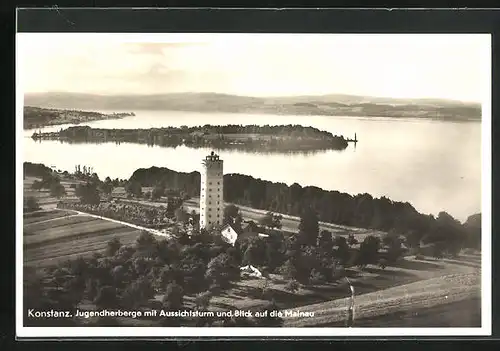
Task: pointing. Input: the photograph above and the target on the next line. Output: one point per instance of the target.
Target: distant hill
(330, 105)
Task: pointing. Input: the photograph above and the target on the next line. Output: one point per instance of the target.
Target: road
(152, 231)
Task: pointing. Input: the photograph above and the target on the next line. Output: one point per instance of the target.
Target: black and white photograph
(277, 184)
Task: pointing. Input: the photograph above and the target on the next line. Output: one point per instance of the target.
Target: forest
(362, 210)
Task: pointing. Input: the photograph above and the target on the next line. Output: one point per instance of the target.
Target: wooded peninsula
(36, 117)
(282, 138)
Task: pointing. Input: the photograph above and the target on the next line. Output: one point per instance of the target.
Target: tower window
(210, 202)
(218, 183)
(209, 183)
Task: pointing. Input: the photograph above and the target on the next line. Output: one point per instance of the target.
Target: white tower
(211, 191)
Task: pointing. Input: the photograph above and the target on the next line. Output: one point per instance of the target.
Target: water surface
(432, 164)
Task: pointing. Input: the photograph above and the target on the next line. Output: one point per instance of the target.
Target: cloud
(449, 66)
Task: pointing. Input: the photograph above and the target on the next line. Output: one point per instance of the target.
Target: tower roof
(212, 157)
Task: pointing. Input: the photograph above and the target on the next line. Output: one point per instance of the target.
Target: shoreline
(39, 117)
(280, 138)
(281, 114)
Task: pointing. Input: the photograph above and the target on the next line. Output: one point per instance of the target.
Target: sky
(451, 66)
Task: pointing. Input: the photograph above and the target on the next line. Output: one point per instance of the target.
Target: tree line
(360, 210)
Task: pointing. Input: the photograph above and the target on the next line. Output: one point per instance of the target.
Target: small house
(229, 235)
(250, 271)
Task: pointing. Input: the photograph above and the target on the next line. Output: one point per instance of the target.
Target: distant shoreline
(38, 117)
(328, 105)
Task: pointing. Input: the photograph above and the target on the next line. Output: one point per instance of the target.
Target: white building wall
(211, 192)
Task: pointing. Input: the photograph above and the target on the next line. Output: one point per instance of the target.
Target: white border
(79, 332)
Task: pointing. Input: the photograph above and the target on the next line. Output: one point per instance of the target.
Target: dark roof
(249, 224)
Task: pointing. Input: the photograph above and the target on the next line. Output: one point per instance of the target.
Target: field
(412, 292)
(455, 314)
(52, 235)
(55, 236)
(412, 297)
(43, 196)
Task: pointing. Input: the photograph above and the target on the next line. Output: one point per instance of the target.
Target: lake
(432, 164)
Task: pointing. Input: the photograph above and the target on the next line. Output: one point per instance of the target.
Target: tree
(255, 251)
(472, 228)
(113, 246)
(107, 186)
(271, 220)
(343, 253)
(107, 298)
(325, 241)
(308, 227)
(174, 297)
(57, 190)
(133, 188)
(138, 293)
(32, 204)
(368, 251)
(157, 192)
(232, 216)
(181, 215)
(146, 243)
(316, 276)
(221, 270)
(292, 286)
(202, 300)
(88, 194)
(37, 185)
(393, 245)
(289, 269)
(438, 249)
(275, 251)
